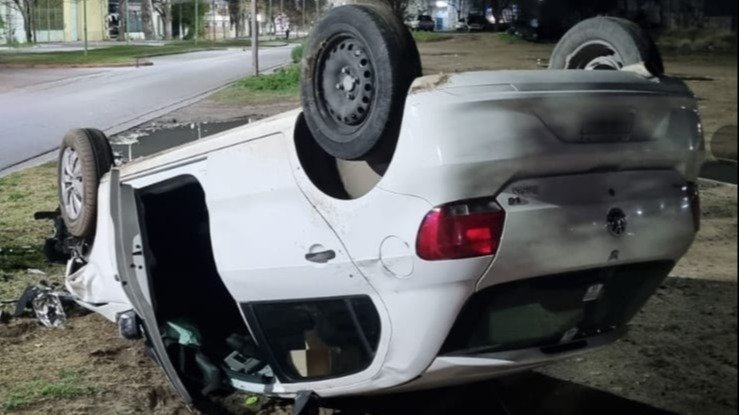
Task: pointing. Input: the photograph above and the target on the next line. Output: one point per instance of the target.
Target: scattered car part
(84, 156)
(355, 78)
(606, 43)
(129, 325)
(47, 304)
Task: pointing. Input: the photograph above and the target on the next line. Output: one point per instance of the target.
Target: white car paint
(504, 134)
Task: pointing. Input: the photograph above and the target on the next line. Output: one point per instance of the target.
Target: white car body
(532, 140)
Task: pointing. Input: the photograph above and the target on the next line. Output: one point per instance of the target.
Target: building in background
(56, 21)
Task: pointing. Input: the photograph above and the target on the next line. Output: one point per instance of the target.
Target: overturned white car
(495, 222)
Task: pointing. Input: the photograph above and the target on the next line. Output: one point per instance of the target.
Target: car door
(306, 303)
(132, 272)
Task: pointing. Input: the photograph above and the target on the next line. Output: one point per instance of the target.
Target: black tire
(606, 43)
(84, 156)
(357, 68)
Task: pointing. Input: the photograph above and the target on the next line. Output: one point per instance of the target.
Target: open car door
(133, 276)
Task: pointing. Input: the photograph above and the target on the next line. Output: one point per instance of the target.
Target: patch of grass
(697, 41)
(510, 38)
(21, 236)
(279, 86)
(296, 54)
(22, 194)
(69, 384)
(282, 80)
(117, 54)
(422, 37)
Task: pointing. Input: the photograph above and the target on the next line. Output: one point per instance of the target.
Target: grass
(422, 37)
(697, 41)
(120, 54)
(22, 237)
(279, 86)
(69, 384)
(509, 38)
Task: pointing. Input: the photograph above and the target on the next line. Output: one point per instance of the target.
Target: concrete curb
(75, 65)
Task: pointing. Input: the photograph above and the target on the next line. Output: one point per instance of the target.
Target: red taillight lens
(461, 230)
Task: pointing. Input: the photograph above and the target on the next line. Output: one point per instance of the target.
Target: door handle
(321, 257)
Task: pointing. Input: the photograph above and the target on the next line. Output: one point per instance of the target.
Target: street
(37, 106)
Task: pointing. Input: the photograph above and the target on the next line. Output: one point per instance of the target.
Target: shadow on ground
(524, 394)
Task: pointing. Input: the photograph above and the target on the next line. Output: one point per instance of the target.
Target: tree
(397, 6)
(236, 16)
(164, 8)
(147, 19)
(186, 12)
(26, 8)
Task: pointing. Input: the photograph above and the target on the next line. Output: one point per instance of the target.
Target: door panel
(268, 241)
(133, 272)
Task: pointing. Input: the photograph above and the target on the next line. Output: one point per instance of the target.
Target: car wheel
(606, 43)
(84, 156)
(358, 67)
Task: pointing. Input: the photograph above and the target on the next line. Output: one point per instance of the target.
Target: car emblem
(616, 222)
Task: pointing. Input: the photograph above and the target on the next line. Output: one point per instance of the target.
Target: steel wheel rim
(72, 185)
(595, 55)
(346, 86)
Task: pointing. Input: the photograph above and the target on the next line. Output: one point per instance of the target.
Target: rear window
(425, 18)
(553, 310)
(319, 338)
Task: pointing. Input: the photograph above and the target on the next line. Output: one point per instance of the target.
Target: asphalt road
(37, 106)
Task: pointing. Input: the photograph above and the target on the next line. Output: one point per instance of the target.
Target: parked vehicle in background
(411, 22)
(426, 23)
(461, 26)
(476, 23)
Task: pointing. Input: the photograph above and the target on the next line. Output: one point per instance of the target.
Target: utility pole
(84, 11)
(179, 31)
(303, 14)
(213, 13)
(269, 14)
(254, 38)
(196, 21)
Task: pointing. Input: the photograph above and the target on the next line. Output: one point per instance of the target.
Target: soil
(680, 355)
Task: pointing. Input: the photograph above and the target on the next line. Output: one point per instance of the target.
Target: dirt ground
(680, 355)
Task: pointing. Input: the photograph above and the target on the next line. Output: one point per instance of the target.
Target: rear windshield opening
(553, 310)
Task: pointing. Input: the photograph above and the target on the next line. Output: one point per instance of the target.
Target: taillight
(695, 204)
(461, 230)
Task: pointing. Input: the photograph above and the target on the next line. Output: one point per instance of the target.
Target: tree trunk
(26, 9)
(167, 19)
(147, 21)
(122, 18)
